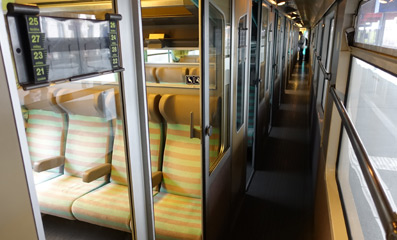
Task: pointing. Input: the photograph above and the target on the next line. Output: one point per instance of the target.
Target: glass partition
(75, 136)
(371, 104)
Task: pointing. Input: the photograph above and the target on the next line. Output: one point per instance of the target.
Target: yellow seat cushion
(107, 206)
(57, 195)
(177, 217)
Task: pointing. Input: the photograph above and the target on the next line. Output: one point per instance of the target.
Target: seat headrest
(153, 101)
(176, 109)
(171, 74)
(87, 102)
(40, 98)
(150, 73)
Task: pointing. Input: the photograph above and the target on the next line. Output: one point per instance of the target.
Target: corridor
(279, 200)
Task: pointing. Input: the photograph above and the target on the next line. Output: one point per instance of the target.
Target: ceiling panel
(312, 10)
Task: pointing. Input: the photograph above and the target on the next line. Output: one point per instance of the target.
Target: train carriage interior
(198, 119)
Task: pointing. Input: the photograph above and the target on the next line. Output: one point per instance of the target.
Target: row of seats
(162, 74)
(91, 149)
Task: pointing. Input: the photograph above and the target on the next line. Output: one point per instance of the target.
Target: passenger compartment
(87, 159)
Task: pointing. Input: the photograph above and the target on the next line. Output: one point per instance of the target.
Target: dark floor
(278, 203)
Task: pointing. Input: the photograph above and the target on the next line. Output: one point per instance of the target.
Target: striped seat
(177, 208)
(87, 146)
(46, 138)
(108, 206)
(177, 217)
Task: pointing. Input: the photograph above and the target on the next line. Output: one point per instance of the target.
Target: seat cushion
(107, 206)
(57, 195)
(177, 217)
(44, 176)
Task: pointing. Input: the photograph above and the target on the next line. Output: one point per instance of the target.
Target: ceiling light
(273, 2)
(383, 1)
(281, 3)
(293, 17)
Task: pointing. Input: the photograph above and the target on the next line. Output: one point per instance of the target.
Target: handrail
(327, 75)
(382, 204)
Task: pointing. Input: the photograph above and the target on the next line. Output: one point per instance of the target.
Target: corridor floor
(278, 203)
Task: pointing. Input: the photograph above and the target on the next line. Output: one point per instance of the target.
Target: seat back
(118, 174)
(182, 154)
(45, 124)
(88, 142)
(45, 133)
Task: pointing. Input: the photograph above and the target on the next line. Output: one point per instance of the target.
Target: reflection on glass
(372, 107)
(377, 23)
(263, 51)
(328, 62)
(76, 142)
(362, 216)
(241, 63)
(219, 42)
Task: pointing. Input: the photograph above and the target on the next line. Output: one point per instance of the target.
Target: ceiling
(311, 11)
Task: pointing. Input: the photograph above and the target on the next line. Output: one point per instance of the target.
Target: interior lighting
(273, 2)
(383, 1)
(281, 3)
(293, 17)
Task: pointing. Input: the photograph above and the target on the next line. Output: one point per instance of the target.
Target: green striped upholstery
(57, 195)
(182, 162)
(214, 147)
(119, 171)
(40, 177)
(107, 206)
(251, 116)
(87, 144)
(45, 133)
(46, 138)
(156, 139)
(177, 217)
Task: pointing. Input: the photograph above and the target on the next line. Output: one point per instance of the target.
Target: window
(242, 61)
(376, 24)
(371, 105)
(328, 62)
(263, 52)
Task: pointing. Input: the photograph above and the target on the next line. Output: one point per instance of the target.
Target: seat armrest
(96, 172)
(48, 163)
(156, 178)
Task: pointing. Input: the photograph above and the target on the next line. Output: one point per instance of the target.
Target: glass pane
(328, 62)
(263, 52)
(362, 217)
(219, 43)
(377, 22)
(372, 106)
(242, 61)
(75, 137)
(173, 95)
(78, 128)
